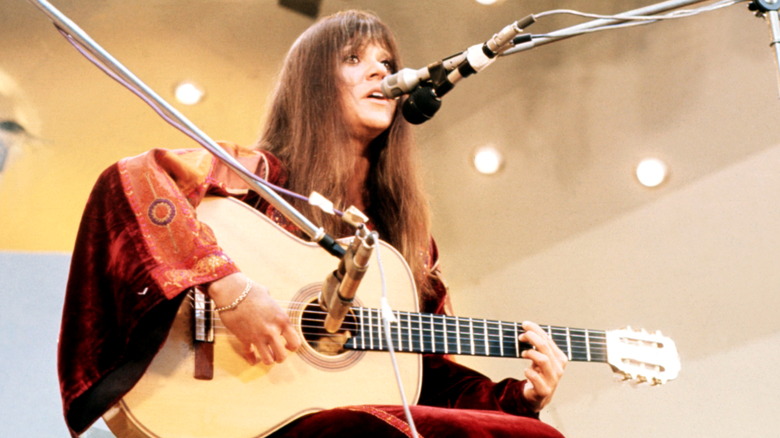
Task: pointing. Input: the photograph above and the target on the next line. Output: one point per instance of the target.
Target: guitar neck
(440, 334)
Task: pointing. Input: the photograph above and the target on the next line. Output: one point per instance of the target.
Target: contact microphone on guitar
(427, 85)
(341, 285)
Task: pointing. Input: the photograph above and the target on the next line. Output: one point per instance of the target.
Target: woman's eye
(388, 65)
(352, 59)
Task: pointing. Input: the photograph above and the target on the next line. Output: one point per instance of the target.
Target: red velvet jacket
(140, 246)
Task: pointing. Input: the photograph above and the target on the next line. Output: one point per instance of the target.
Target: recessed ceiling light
(189, 93)
(488, 160)
(651, 172)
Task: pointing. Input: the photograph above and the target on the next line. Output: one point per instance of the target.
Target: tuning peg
(641, 379)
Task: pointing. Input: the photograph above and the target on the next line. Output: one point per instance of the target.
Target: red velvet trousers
(431, 422)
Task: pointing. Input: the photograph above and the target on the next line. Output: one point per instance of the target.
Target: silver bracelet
(238, 300)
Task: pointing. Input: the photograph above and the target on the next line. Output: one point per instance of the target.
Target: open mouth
(377, 95)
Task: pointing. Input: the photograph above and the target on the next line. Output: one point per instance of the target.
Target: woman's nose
(378, 68)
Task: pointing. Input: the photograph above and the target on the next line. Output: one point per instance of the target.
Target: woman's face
(368, 113)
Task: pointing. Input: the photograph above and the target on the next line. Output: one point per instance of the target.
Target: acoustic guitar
(199, 385)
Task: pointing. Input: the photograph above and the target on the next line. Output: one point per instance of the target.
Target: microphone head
(421, 105)
(402, 82)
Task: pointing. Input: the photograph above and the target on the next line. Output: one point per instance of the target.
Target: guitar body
(242, 400)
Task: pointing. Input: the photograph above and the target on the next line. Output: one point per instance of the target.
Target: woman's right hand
(258, 322)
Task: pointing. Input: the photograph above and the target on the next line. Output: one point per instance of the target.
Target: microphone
(406, 80)
(341, 285)
(427, 85)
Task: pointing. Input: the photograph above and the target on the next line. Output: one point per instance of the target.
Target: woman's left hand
(547, 365)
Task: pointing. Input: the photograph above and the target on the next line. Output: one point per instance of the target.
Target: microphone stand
(340, 286)
(763, 8)
(116, 70)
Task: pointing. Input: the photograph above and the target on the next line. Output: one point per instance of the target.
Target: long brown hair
(305, 129)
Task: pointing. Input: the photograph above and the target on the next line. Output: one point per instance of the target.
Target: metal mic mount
(427, 86)
(768, 9)
(341, 285)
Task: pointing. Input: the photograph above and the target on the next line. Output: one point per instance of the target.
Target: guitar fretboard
(440, 334)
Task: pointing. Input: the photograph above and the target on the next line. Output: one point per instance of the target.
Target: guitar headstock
(642, 357)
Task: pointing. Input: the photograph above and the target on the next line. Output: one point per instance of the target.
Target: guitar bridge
(203, 335)
(203, 322)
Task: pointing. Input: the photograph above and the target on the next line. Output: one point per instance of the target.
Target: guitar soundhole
(320, 340)
(323, 350)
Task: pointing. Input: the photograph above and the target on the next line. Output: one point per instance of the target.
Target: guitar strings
(422, 343)
(450, 320)
(576, 335)
(450, 323)
(582, 340)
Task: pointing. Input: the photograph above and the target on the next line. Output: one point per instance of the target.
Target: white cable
(387, 317)
(629, 20)
(668, 16)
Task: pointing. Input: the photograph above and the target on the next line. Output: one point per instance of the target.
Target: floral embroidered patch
(161, 212)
